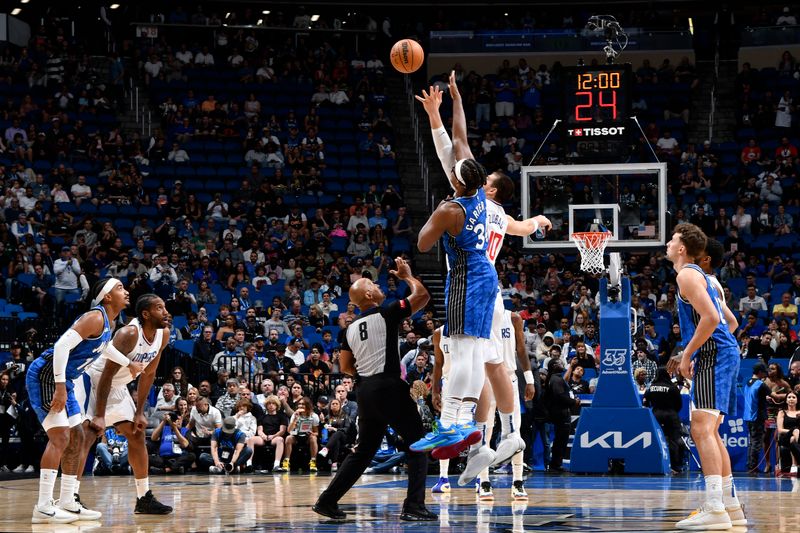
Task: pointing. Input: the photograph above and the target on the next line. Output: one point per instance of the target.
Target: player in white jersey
(499, 189)
(512, 348)
(441, 367)
(109, 403)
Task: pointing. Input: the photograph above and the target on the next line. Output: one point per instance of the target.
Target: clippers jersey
(508, 341)
(721, 340)
(497, 224)
(471, 280)
(84, 354)
(144, 352)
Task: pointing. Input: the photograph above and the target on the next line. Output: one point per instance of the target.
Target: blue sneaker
(442, 486)
(438, 436)
(468, 435)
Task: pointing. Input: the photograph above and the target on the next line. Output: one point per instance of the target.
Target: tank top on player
(87, 351)
(144, 352)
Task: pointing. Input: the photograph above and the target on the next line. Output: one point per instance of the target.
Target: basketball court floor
(283, 503)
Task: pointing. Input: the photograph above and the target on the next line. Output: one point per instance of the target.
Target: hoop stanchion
(591, 245)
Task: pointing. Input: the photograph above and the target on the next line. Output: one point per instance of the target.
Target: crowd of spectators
(254, 260)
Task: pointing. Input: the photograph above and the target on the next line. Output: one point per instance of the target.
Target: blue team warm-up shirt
(472, 280)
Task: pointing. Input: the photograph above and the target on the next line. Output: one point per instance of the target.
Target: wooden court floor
(282, 503)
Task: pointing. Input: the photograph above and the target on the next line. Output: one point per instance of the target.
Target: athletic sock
(729, 497)
(516, 467)
(484, 475)
(67, 489)
(142, 487)
(506, 424)
(480, 426)
(466, 413)
(449, 415)
(47, 482)
(276, 464)
(77, 486)
(444, 467)
(714, 493)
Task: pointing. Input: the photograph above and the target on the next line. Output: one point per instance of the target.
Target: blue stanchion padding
(616, 426)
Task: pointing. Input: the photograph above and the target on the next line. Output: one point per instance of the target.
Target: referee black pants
(383, 400)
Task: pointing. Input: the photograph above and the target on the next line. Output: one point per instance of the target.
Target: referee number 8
(362, 331)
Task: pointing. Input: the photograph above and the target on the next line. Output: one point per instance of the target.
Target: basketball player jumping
(105, 384)
(513, 346)
(498, 189)
(50, 386)
(711, 358)
(469, 296)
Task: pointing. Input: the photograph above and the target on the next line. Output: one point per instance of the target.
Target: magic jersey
(86, 352)
(144, 352)
(721, 340)
(471, 280)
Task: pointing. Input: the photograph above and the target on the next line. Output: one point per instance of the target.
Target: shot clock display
(596, 97)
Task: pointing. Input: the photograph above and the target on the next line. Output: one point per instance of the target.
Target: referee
(370, 348)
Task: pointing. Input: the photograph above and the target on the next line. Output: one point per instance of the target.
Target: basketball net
(592, 245)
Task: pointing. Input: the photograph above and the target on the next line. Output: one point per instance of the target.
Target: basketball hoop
(591, 245)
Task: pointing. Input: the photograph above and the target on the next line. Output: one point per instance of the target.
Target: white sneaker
(518, 490)
(4, 469)
(213, 469)
(507, 447)
(30, 469)
(736, 514)
(51, 514)
(706, 520)
(485, 491)
(476, 462)
(793, 470)
(80, 510)
(19, 470)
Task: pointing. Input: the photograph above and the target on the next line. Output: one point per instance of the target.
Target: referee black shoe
(417, 513)
(148, 504)
(329, 510)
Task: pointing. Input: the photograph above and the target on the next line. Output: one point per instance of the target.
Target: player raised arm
(522, 356)
(431, 101)
(692, 286)
(460, 141)
(124, 341)
(438, 364)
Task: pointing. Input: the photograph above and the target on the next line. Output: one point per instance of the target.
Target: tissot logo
(596, 132)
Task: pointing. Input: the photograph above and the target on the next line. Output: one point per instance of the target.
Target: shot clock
(597, 96)
(597, 108)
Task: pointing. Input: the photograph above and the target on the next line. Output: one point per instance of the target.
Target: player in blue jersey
(710, 358)
(469, 300)
(50, 387)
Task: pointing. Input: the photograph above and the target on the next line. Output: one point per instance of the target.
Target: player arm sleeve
(444, 149)
(111, 353)
(397, 311)
(64, 345)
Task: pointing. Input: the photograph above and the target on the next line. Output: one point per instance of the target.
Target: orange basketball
(407, 56)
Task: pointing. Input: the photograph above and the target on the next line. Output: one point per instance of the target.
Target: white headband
(457, 171)
(110, 284)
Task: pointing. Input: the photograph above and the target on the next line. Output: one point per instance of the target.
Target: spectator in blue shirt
(228, 449)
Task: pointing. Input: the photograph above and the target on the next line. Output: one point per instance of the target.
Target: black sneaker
(329, 510)
(148, 504)
(154, 470)
(417, 513)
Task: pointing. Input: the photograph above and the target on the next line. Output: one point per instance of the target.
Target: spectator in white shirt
(27, 201)
(204, 419)
(178, 154)
(80, 191)
(235, 59)
(265, 73)
(337, 96)
(168, 398)
(204, 58)
(752, 302)
(184, 56)
(666, 144)
(66, 269)
(742, 221)
(152, 68)
(786, 18)
(21, 227)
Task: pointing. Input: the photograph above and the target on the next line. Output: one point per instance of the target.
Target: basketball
(407, 56)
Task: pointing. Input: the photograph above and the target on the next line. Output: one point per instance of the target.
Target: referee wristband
(528, 374)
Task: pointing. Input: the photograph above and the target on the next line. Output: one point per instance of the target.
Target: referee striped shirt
(373, 339)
